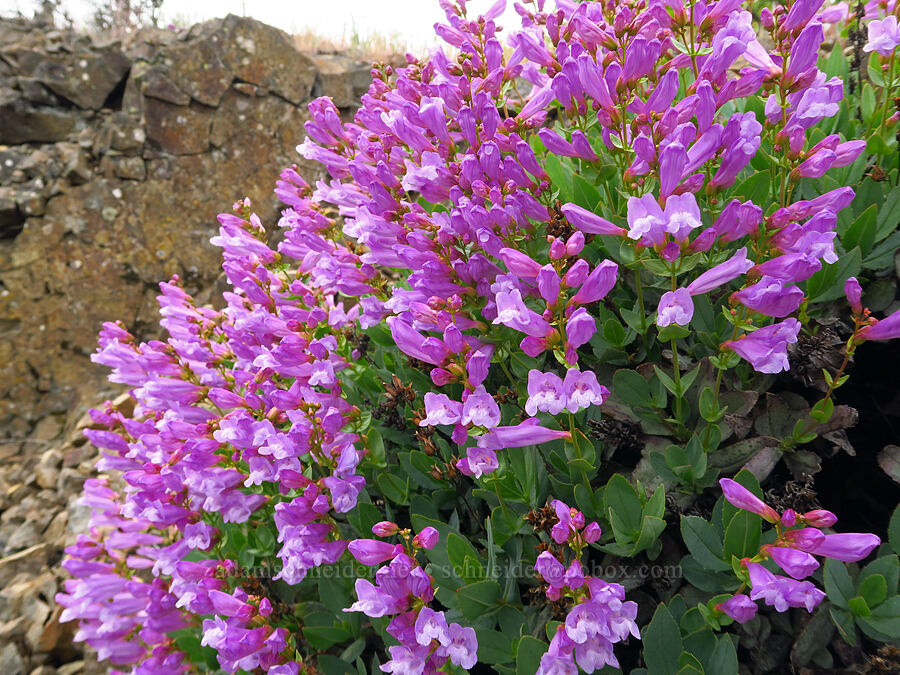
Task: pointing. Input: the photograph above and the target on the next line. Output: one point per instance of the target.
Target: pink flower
(739, 607)
(742, 498)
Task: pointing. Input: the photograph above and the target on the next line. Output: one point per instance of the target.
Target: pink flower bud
(372, 551)
(853, 291)
(385, 529)
(738, 607)
(742, 498)
(427, 538)
(592, 532)
(789, 518)
(557, 249)
(819, 518)
(575, 244)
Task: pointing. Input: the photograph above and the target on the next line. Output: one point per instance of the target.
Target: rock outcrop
(114, 162)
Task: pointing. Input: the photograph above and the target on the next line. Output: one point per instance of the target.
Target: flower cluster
(403, 590)
(232, 413)
(600, 617)
(798, 540)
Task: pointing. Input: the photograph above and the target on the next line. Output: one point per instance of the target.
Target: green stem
(640, 298)
(677, 374)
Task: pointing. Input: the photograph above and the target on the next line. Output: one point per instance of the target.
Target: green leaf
(478, 599)
(703, 542)
(844, 622)
(724, 657)
(755, 188)
(613, 332)
(885, 618)
(867, 102)
(505, 524)
(465, 561)
(662, 643)
(621, 501)
(742, 535)
(862, 232)
(838, 585)
(873, 589)
(631, 388)
(332, 665)
(894, 530)
(873, 68)
(586, 195)
(528, 655)
(887, 566)
(859, 607)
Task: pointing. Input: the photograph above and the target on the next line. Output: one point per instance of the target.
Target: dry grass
(375, 47)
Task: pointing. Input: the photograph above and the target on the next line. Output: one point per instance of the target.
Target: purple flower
(546, 393)
(431, 625)
(766, 348)
(580, 327)
(582, 390)
(462, 648)
(722, 273)
(770, 296)
(512, 312)
(798, 564)
(550, 569)
(372, 551)
(737, 220)
(570, 520)
(440, 409)
(742, 498)
(549, 284)
(480, 409)
(385, 528)
(853, 291)
(427, 538)
(886, 329)
(529, 432)
(682, 215)
(847, 546)
(819, 518)
(519, 264)
(675, 307)
(598, 283)
(884, 36)
(478, 462)
(589, 222)
(646, 220)
(782, 592)
(412, 343)
(739, 607)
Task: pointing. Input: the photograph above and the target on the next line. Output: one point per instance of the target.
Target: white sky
(410, 20)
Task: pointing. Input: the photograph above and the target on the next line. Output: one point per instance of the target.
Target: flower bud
(427, 538)
(385, 529)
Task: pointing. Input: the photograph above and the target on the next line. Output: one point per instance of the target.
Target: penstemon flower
(798, 541)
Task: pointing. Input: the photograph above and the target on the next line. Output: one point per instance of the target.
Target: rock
(10, 218)
(180, 130)
(120, 132)
(129, 168)
(24, 536)
(156, 84)
(73, 668)
(85, 78)
(32, 90)
(196, 68)
(44, 670)
(30, 561)
(10, 661)
(76, 170)
(25, 123)
(259, 54)
(342, 78)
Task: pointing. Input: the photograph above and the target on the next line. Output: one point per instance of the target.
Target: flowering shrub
(521, 335)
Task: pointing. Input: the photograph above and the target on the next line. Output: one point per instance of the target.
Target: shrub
(490, 385)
